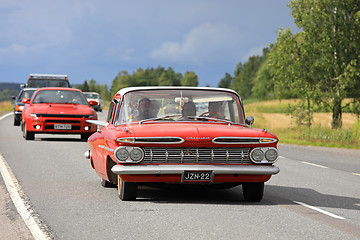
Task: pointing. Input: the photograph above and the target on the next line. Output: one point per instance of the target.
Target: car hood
(195, 132)
(61, 108)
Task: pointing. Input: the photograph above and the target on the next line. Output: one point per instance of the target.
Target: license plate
(62, 126)
(197, 176)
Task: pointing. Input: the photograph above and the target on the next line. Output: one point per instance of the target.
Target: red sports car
(157, 136)
(57, 110)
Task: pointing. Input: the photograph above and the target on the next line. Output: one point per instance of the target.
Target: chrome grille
(197, 155)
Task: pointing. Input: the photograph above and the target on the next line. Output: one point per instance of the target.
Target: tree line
(320, 64)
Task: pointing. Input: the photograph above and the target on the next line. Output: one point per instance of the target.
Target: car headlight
(33, 115)
(257, 155)
(129, 154)
(136, 154)
(271, 155)
(264, 155)
(91, 116)
(121, 154)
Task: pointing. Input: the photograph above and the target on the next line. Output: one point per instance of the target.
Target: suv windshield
(37, 83)
(180, 105)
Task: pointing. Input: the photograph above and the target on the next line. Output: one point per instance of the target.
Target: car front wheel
(16, 122)
(253, 192)
(106, 184)
(27, 134)
(127, 190)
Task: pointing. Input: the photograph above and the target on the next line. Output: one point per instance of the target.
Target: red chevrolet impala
(157, 136)
(57, 110)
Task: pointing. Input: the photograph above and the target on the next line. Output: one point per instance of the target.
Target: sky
(96, 39)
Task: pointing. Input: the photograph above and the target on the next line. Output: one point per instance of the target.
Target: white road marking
(6, 115)
(15, 194)
(281, 157)
(320, 210)
(316, 165)
(357, 174)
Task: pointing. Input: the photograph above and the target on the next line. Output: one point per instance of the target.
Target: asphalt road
(316, 195)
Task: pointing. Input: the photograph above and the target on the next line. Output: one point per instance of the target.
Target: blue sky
(93, 39)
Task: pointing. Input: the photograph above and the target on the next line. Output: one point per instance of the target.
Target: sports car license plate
(62, 126)
(197, 176)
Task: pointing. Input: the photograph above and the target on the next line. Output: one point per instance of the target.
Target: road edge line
(320, 210)
(15, 192)
(6, 115)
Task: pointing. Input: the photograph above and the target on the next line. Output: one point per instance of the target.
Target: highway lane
(318, 201)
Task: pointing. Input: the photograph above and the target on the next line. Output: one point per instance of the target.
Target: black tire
(16, 122)
(85, 136)
(127, 190)
(106, 184)
(253, 192)
(27, 134)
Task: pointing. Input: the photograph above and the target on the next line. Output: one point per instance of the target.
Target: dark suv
(47, 80)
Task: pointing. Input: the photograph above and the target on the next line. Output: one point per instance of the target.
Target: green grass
(322, 136)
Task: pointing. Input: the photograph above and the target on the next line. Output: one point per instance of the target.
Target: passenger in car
(216, 110)
(189, 109)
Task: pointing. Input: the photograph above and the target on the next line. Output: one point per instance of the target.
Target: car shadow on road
(273, 195)
(281, 195)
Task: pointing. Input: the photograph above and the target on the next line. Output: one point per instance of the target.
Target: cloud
(38, 25)
(202, 44)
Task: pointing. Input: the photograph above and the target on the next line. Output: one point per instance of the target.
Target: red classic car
(57, 111)
(181, 135)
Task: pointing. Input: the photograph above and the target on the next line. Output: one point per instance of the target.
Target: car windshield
(60, 96)
(180, 105)
(91, 95)
(26, 94)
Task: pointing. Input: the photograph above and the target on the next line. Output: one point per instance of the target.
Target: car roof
(130, 89)
(59, 88)
(29, 89)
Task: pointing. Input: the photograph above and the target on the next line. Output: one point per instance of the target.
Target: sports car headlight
(257, 155)
(91, 116)
(33, 115)
(129, 154)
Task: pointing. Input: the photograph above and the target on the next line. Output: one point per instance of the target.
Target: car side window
(111, 109)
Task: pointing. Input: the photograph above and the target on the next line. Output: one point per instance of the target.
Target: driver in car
(144, 108)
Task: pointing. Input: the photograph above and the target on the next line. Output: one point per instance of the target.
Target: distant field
(273, 116)
(6, 106)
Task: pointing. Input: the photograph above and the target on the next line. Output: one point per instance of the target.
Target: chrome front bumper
(179, 169)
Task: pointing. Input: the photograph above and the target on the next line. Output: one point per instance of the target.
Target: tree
(244, 82)
(226, 81)
(190, 79)
(329, 50)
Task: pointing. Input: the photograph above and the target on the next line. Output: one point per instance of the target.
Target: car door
(104, 133)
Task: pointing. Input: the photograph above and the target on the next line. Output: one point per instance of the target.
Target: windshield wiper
(159, 118)
(212, 119)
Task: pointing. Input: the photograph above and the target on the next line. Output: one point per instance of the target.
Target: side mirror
(93, 103)
(249, 120)
(26, 100)
(13, 97)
